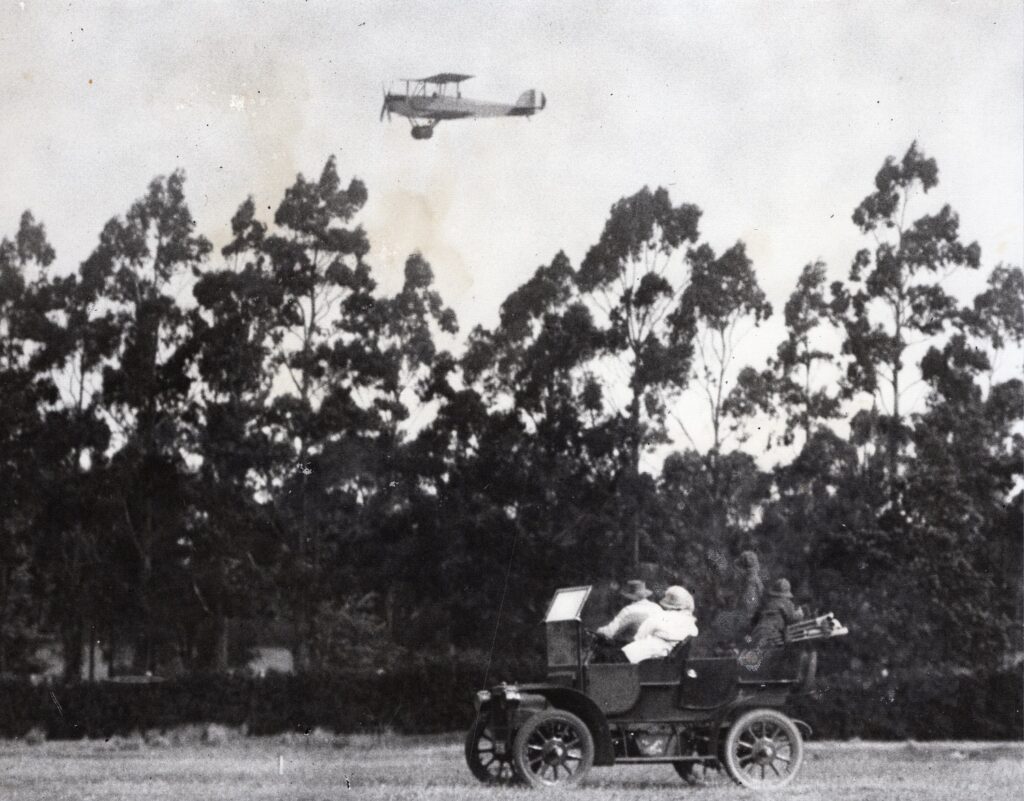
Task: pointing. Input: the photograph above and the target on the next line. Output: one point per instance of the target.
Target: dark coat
(771, 620)
(751, 595)
(731, 625)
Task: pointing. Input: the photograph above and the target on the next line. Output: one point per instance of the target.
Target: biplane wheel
(422, 131)
(553, 748)
(763, 750)
(482, 756)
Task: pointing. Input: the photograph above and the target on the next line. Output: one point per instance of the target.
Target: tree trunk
(92, 653)
(220, 640)
(112, 663)
(4, 583)
(72, 643)
(634, 475)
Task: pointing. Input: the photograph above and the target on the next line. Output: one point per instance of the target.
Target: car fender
(585, 709)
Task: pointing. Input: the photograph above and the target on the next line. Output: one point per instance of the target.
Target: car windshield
(567, 604)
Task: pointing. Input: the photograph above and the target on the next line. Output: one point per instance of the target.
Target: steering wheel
(591, 639)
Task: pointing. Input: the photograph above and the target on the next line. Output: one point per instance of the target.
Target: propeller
(384, 106)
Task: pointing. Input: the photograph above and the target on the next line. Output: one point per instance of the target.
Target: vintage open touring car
(716, 712)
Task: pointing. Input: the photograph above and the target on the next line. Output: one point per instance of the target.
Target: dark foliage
(434, 696)
(292, 445)
(918, 705)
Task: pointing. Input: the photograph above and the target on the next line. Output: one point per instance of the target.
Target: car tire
(553, 748)
(484, 762)
(686, 771)
(763, 750)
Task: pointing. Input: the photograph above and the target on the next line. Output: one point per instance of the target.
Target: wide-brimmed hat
(676, 598)
(781, 589)
(636, 590)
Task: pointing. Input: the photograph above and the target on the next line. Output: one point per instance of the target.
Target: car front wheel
(486, 756)
(553, 748)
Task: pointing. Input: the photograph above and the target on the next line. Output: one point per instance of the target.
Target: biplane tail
(530, 102)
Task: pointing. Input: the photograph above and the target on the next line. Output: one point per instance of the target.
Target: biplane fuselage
(428, 101)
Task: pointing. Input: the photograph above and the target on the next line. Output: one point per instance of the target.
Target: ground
(433, 768)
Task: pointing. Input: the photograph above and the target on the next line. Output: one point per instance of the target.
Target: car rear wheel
(553, 748)
(763, 749)
(693, 742)
(485, 755)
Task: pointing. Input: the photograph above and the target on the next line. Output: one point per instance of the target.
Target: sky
(772, 117)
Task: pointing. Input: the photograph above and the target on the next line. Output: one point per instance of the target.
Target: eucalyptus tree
(528, 458)
(896, 300)
(997, 314)
(791, 385)
(632, 279)
(351, 364)
(963, 499)
(530, 363)
(723, 302)
(28, 390)
(394, 342)
(231, 549)
(386, 347)
(138, 270)
(317, 261)
(821, 528)
(962, 486)
(720, 305)
(912, 546)
(74, 541)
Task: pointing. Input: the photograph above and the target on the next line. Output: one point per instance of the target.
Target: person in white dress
(672, 624)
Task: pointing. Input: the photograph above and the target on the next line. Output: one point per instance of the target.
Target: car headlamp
(482, 697)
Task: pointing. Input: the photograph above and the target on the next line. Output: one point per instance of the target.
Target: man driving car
(624, 625)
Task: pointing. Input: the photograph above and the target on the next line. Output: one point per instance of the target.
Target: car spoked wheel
(763, 749)
(553, 747)
(693, 743)
(486, 757)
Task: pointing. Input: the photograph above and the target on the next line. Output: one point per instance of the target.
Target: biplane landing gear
(422, 131)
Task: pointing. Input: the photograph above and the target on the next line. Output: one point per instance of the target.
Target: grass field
(433, 768)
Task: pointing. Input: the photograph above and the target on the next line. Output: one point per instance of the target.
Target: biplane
(427, 101)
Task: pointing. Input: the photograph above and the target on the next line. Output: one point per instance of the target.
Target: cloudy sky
(772, 117)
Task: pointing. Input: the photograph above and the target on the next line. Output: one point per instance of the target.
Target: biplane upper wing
(445, 77)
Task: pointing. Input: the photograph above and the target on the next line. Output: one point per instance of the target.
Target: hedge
(919, 705)
(424, 697)
(435, 696)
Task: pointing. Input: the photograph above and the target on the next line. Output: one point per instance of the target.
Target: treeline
(435, 695)
(190, 438)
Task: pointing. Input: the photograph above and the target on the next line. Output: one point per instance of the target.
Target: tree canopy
(191, 439)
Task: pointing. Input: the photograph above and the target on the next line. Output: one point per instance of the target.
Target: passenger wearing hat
(777, 612)
(661, 632)
(752, 589)
(734, 622)
(624, 625)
